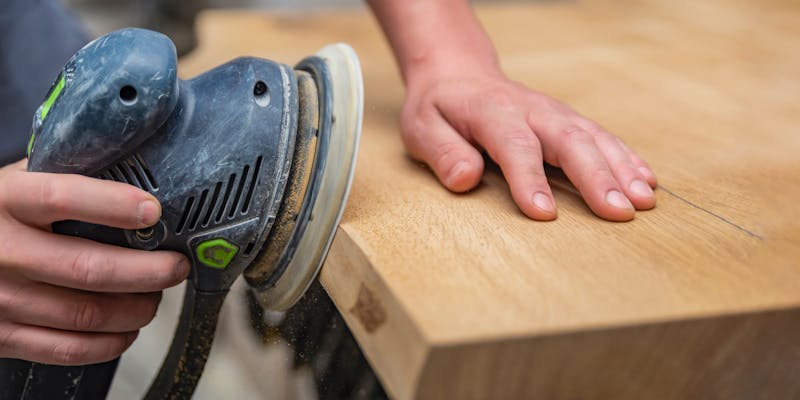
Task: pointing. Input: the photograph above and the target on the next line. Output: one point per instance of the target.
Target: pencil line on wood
(709, 212)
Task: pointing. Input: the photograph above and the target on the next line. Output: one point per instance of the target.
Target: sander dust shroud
(251, 161)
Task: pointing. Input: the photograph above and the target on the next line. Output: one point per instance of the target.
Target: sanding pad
(335, 166)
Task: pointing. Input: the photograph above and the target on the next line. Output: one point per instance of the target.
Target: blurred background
(174, 17)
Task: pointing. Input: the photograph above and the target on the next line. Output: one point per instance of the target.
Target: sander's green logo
(216, 253)
(44, 109)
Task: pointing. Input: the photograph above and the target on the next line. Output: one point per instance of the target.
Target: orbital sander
(252, 163)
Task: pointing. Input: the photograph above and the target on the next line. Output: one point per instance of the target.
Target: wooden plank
(461, 296)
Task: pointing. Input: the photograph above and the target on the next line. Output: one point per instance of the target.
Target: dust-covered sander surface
(251, 161)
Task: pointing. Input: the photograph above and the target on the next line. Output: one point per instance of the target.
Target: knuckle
(87, 269)
(523, 141)
(592, 127)
(70, 352)
(498, 97)
(414, 132)
(600, 176)
(465, 108)
(575, 135)
(52, 196)
(444, 153)
(415, 125)
(88, 316)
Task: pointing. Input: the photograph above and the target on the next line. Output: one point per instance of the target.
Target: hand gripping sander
(251, 161)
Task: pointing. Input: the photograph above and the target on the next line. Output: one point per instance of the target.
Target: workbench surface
(461, 296)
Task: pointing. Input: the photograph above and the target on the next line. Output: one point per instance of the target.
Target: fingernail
(455, 172)
(149, 212)
(543, 202)
(646, 173)
(182, 269)
(640, 188)
(618, 200)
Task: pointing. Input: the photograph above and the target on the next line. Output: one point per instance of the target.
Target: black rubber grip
(25, 380)
(188, 353)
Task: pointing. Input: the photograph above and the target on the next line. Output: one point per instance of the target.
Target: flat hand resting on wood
(459, 102)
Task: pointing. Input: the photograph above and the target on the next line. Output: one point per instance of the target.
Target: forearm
(435, 36)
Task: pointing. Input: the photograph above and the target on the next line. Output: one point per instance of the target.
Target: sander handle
(187, 355)
(26, 380)
(178, 375)
(177, 378)
(31, 380)
(181, 369)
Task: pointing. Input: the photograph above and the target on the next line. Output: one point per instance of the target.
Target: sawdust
(302, 165)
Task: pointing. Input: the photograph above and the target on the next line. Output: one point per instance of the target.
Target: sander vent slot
(131, 170)
(238, 196)
(249, 248)
(225, 197)
(251, 188)
(198, 210)
(185, 215)
(107, 176)
(141, 166)
(213, 205)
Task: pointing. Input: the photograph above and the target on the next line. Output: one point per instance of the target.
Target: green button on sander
(252, 162)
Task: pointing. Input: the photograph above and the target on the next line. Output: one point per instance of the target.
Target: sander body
(252, 163)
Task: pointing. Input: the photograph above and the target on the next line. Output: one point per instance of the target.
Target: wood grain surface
(460, 296)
